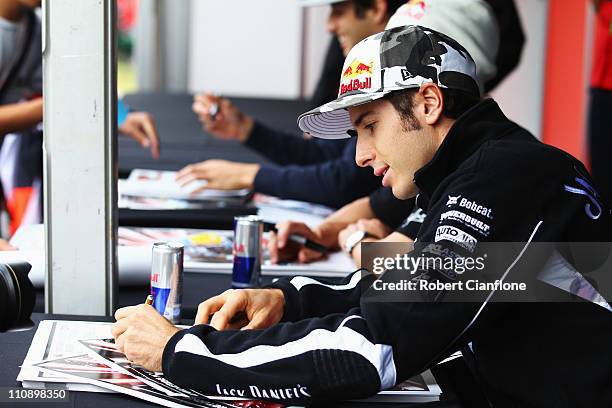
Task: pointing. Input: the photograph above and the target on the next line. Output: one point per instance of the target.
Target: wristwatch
(353, 239)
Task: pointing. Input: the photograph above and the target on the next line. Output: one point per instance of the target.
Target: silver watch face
(354, 239)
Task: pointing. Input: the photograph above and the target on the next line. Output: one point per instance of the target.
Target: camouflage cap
(399, 58)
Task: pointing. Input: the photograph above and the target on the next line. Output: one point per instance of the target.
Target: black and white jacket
(490, 181)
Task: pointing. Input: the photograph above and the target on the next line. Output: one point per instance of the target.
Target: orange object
(565, 87)
(17, 206)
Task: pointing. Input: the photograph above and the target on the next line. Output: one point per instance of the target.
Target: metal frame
(80, 156)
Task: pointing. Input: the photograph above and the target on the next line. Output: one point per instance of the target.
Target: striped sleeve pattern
(313, 360)
(303, 295)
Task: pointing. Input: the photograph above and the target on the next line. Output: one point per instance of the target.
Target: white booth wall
(244, 48)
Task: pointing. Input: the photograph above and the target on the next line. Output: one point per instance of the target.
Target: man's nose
(331, 24)
(364, 154)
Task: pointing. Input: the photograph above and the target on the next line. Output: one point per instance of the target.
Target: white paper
(56, 339)
(163, 184)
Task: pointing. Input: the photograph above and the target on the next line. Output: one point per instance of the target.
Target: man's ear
(433, 103)
(379, 12)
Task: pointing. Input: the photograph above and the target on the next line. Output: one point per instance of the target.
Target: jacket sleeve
(302, 295)
(333, 357)
(285, 148)
(333, 183)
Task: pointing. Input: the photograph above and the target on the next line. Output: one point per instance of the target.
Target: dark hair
(403, 102)
(456, 103)
(361, 6)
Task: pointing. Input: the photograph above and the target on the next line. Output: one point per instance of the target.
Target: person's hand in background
(219, 174)
(282, 249)
(221, 118)
(141, 127)
(5, 246)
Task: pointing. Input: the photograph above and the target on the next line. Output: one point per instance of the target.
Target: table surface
(14, 347)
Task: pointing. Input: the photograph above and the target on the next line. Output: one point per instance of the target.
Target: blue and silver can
(246, 272)
(167, 279)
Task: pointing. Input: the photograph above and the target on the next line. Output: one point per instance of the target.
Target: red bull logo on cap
(357, 68)
(358, 75)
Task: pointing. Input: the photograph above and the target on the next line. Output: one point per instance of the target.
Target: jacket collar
(482, 122)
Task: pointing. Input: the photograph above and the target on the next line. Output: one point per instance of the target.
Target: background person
(322, 172)
(21, 112)
(600, 103)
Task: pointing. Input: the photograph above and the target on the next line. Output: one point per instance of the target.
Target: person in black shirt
(482, 179)
(382, 216)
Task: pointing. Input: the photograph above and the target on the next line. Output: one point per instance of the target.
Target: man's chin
(404, 192)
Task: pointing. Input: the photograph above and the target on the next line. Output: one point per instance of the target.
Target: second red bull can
(246, 272)
(167, 279)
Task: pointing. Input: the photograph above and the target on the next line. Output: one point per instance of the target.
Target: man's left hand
(374, 227)
(141, 333)
(220, 174)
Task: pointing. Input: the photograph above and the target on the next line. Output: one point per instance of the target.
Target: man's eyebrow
(361, 117)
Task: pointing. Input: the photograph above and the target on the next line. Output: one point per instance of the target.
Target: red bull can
(167, 279)
(246, 272)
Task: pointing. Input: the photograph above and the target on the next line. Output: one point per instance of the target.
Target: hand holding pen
(289, 241)
(221, 119)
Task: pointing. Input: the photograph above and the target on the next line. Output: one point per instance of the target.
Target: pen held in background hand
(213, 111)
(307, 243)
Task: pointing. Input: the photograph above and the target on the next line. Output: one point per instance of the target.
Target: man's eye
(370, 126)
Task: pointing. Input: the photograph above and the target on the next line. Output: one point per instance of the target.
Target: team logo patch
(417, 216)
(459, 237)
(357, 76)
(469, 205)
(593, 208)
(452, 200)
(467, 220)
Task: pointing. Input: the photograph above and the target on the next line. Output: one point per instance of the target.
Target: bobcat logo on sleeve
(452, 200)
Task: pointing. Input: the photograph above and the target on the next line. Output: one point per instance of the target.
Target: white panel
(316, 43)
(521, 95)
(79, 157)
(246, 48)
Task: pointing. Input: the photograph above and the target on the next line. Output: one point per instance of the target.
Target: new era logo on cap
(399, 58)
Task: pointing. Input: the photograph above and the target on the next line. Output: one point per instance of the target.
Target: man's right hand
(229, 123)
(243, 309)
